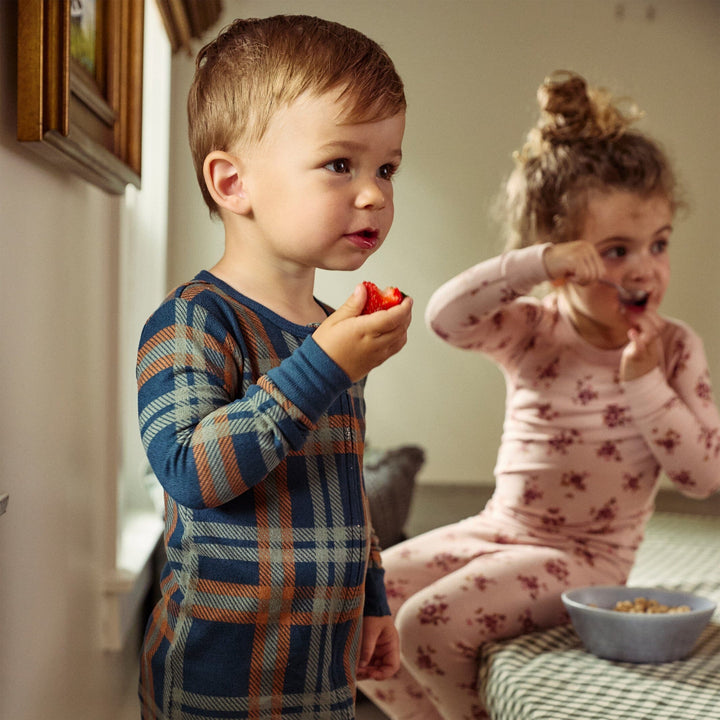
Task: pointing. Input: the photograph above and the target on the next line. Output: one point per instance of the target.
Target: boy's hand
(379, 649)
(577, 261)
(358, 343)
(644, 351)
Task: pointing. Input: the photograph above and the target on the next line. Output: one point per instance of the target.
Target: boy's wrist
(310, 379)
(375, 596)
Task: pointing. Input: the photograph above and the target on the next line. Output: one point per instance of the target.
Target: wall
(471, 69)
(62, 244)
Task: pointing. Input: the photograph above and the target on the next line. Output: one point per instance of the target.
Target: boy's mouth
(366, 238)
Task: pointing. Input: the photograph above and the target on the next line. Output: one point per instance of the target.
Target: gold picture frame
(80, 101)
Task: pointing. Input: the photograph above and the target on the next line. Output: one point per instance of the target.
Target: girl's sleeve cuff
(526, 267)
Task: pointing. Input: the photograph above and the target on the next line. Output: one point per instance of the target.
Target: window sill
(126, 586)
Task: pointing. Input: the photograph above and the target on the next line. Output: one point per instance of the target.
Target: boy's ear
(224, 180)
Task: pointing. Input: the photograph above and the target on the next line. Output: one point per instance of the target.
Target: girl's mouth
(636, 301)
(638, 298)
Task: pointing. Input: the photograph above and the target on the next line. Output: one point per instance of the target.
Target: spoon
(636, 298)
(627, 297)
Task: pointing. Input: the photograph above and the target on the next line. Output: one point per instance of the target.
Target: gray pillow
(389, 482)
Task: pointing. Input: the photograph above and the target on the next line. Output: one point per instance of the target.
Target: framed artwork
(187, 20)
(80, 69)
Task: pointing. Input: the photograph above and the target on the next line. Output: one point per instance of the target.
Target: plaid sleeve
(206, 441)
(376, 603)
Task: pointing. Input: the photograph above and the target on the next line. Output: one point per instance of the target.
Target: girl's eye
(659, 247)
(386, 172)
(612, 253)
(339, 165)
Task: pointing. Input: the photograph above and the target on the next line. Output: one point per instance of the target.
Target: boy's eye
(339, 165)
(386, 172)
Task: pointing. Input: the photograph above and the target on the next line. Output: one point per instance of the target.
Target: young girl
(603, 393)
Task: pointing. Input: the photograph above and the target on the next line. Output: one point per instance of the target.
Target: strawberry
(381, 300)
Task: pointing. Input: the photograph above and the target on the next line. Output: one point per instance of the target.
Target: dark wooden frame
(89, 125)
(186, 20)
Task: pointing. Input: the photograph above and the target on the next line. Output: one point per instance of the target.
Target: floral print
(616, 416)
(434, 612)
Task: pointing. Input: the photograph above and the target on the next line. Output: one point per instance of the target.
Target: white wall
(471, 69)
(62, 243)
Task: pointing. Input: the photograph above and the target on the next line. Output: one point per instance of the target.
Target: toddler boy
(251, 391)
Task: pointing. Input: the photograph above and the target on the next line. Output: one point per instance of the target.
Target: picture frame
(80, 69)
(187, 20)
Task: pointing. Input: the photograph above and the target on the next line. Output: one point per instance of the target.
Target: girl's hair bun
(570, 111)
(581, 142)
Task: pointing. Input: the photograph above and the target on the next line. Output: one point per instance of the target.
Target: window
(134, 524)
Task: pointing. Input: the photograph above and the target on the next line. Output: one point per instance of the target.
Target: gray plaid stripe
(198, 705)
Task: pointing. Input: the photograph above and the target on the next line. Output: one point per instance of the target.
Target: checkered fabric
(257, 437)
(678, 549)
(549, 676)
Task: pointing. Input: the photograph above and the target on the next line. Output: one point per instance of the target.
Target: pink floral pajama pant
(454, 588)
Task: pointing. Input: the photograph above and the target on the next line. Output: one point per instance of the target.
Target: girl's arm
(676, 413)
(473, 310)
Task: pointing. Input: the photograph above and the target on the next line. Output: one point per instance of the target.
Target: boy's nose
(370, 194)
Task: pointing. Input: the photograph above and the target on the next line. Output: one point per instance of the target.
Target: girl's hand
(358, 343)
(379, 656)
(643, 352)
(577, 261)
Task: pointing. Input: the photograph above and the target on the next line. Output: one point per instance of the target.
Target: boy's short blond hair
(256, 66)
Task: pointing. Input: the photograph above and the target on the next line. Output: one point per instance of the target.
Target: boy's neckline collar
(236, 295)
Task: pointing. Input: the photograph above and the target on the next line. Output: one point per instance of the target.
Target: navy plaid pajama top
(257, 437)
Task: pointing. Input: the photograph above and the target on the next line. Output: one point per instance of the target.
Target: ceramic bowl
(636, 637)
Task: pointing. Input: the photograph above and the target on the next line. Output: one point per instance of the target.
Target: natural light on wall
(134, 520)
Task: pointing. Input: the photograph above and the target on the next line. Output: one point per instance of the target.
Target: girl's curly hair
(582, 142)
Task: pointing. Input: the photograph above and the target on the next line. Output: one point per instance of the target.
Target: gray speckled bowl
(633, 637)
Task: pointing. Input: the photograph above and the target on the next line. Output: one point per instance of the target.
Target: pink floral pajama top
(581, 451)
